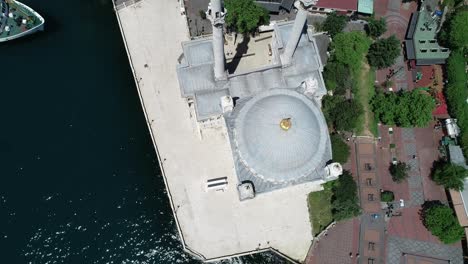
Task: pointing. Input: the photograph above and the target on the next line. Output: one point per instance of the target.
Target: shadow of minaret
(241, 49)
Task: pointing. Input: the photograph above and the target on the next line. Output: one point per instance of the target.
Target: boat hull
(39, 27)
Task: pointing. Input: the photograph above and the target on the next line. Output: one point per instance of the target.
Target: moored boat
(18, 20)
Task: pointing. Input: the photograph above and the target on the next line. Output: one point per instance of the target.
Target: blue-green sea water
(79, 179)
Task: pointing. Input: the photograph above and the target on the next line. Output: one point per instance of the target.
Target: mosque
(270, 103)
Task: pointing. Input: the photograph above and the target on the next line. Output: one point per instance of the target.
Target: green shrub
(387, 196)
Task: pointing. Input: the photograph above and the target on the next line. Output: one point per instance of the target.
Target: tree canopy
(337, 77)
(453, 33)
(399, 171)
(345, 202)
(405, 109)
(449, 175)
(245, 16)
(383, 52)
(340, 150)
(441, 222)
(376, 27)
(457, 93)
(349, 47)
(334, 24)
(343, 115)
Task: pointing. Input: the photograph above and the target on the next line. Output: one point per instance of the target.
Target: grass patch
(365, 79)
(320, 210)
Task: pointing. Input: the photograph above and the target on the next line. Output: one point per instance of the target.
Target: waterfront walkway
(212, 224)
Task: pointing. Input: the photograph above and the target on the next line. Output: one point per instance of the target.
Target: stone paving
(398, 247)
(337, 245)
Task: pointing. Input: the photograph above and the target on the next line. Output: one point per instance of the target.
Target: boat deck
(16, 19)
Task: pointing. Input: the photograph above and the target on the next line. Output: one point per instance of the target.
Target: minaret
(216, 15)
(295, 35)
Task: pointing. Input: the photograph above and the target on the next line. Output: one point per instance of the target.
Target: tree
(441, 222)
(383, 52)
(328, 104)
(457, 93)
(337, 77)
(340, 150)
(449, 175)
(453, 33)
(344, 115)
(345, 202)
(349, 48)
(399, 171)
(245, 15)
(405, 109)
(334, 24)
(375, 28)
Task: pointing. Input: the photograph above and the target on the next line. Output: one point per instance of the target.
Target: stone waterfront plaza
(240, 147)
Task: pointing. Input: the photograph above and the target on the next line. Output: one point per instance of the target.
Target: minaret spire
(216, 15)
(295, 35)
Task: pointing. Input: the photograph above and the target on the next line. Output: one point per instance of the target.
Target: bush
(340, 150)
(399, 171)
(441, 222)
(449, 175)
(383, 52)
(334, 24)
(375, 28)
(387, 196)
(345, 202)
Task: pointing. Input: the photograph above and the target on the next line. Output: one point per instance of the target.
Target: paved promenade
(212, 224)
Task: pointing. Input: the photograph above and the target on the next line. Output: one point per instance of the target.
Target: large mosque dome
(280, 136)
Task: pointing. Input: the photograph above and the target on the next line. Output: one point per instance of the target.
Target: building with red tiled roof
(347, 7)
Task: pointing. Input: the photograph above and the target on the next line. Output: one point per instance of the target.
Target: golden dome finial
(285, 124)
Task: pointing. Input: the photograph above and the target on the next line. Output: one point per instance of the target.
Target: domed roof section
(280, 136)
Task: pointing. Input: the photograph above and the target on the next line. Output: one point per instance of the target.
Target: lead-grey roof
(208, 104)
(196, 75)
(267, 155)
(298, 164)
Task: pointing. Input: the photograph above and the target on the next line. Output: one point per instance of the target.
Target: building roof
(366, 6)
(422, 32)
(275, 154)
(259, 154)
(338, 4)
(276, 5)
